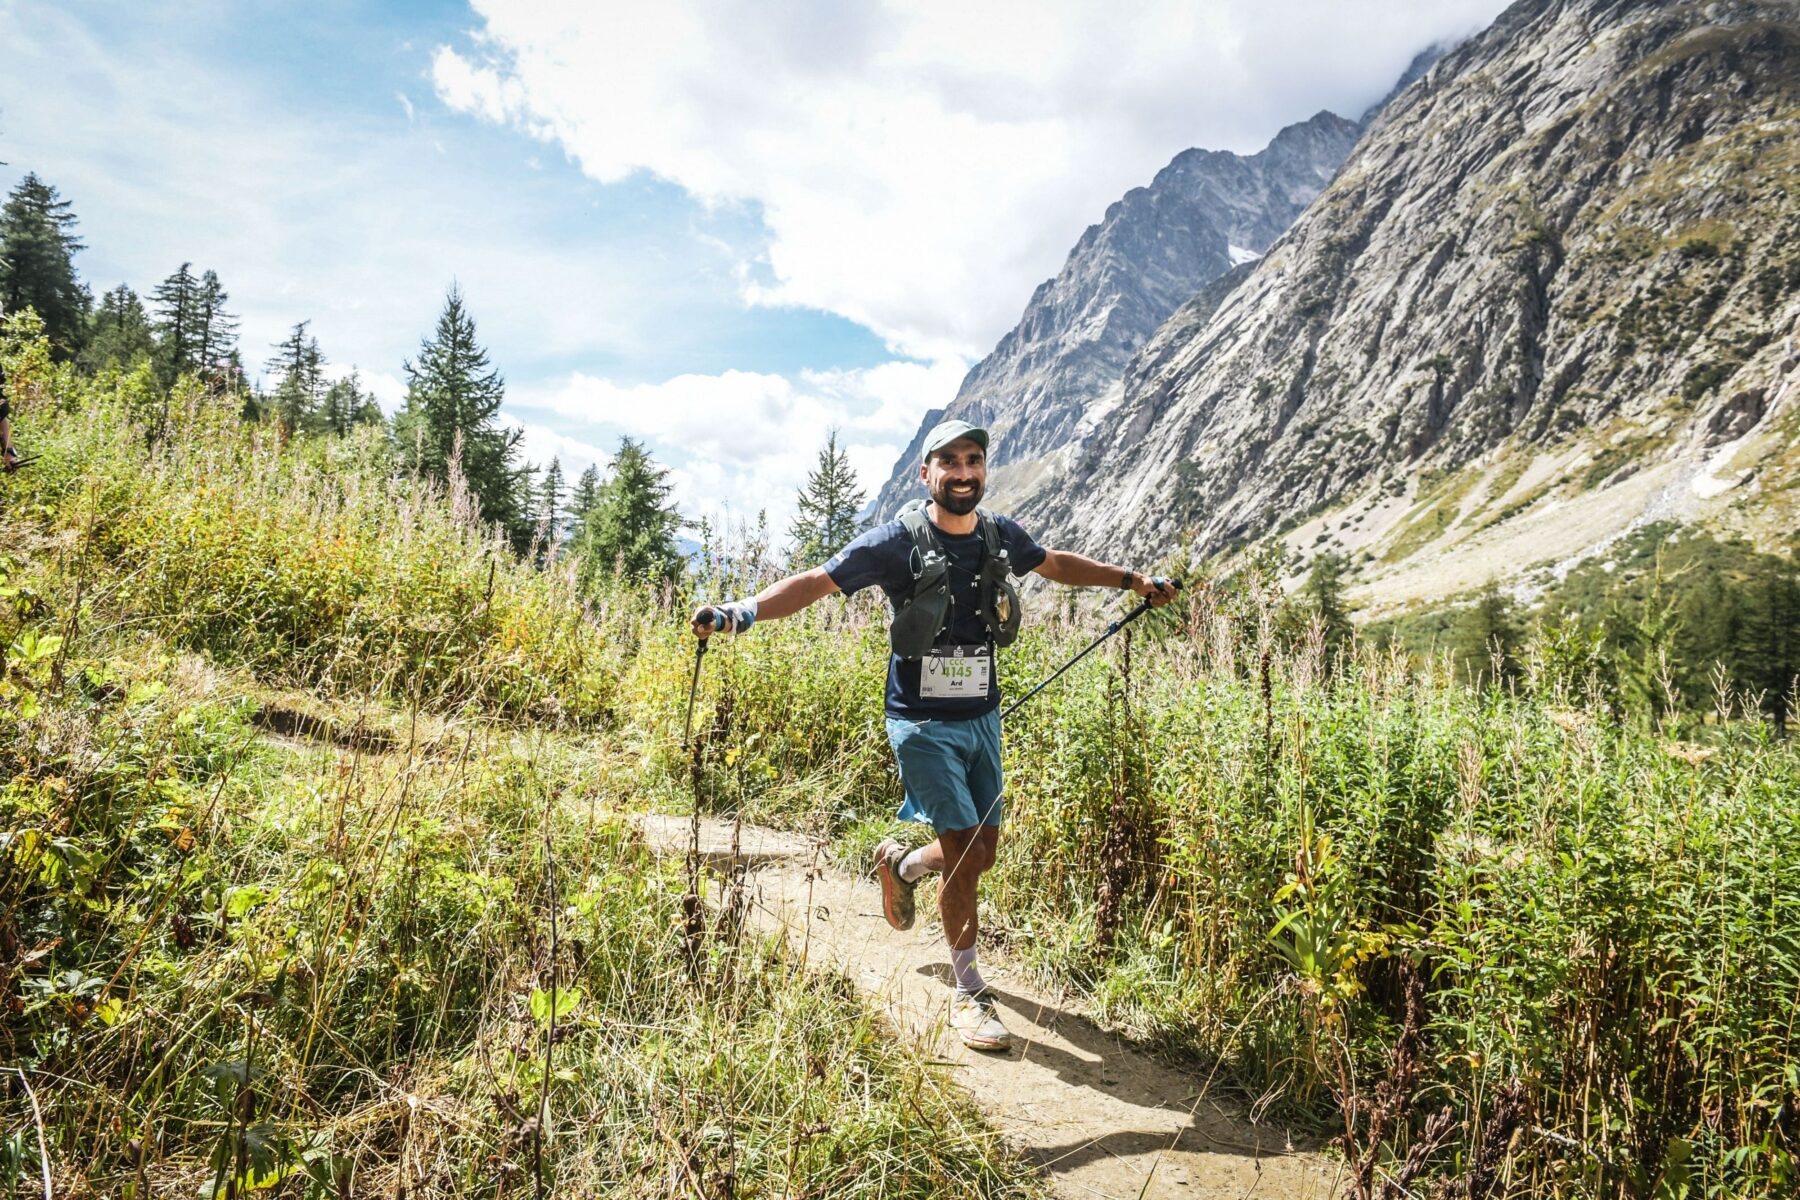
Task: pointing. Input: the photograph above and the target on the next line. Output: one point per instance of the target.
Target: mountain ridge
(1579, 225)
(1203, 212)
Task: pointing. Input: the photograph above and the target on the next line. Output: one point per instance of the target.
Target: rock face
(1582, 224)
(1155, 248)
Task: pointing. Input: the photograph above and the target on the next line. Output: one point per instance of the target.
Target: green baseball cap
(945, 432)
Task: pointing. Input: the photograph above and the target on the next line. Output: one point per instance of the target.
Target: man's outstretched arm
(1078, 570)
(783, 598)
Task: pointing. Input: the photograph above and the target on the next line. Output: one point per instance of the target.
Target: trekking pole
(687, 729)
(1142, 608)
(713, 619)
(24, 462)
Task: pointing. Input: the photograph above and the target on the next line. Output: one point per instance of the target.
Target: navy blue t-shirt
(882, 557)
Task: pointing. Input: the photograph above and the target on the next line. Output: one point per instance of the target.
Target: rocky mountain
(1204, 212)
(1422, 62)
(1553, 292)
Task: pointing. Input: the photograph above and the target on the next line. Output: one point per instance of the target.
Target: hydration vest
(920, 618)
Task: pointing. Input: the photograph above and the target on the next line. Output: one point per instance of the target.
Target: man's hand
(12, 460)
(736, 617)
(1157, 589)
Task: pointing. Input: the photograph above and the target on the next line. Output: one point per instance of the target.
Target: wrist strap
(737, 616)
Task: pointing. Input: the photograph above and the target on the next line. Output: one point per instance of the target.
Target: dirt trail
(1101, 1119)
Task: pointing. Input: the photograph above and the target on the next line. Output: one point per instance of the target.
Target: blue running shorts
(950, 769)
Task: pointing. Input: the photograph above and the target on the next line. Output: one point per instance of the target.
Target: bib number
(956, 673)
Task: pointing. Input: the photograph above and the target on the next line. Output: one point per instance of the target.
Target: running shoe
(896, 893)
(977, 1022)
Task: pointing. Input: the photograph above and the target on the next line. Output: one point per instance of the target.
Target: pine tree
(368, 411)
(1711, 624)
(1768, 650)
(340, 404)
(550, 500)
(232, 369)
(1647, 634)
(37, 264)
(119, 333)
(215, 329)
(453, 396)
(631, 526)
(1325, 589)
(177, 317)
(582, 501)
(1484, 632)
(825, 520)
(300, 367)
(312, 373)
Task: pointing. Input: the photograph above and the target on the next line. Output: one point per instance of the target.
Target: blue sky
(722, 227)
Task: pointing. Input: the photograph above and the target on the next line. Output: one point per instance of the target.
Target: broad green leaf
(566, 1001)
(242, 899)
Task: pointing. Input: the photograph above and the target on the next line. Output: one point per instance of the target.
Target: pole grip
(717, 620)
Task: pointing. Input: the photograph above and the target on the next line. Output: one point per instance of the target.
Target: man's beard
(959, 505)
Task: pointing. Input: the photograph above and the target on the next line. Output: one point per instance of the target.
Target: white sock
(913, 865)
(968, 979)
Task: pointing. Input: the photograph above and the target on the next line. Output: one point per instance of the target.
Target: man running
(945, 571)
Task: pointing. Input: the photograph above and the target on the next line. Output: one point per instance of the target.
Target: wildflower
(1689, 753)
(1569, 719)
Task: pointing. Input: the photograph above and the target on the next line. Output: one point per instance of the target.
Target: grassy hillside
(1516, 938)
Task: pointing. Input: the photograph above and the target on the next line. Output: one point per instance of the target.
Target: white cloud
(389, 390)
(902, 392)
(742, 442)
(541, 443)
(348, 218)
(480, 90)
(921, 164)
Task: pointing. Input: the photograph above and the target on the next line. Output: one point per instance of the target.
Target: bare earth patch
(1101, 1119)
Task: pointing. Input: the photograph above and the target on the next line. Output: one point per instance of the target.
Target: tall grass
(1244, 849)
(232, 964)
(310, 561)
(421, 953)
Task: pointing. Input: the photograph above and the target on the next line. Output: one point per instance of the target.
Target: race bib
(956, 673)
